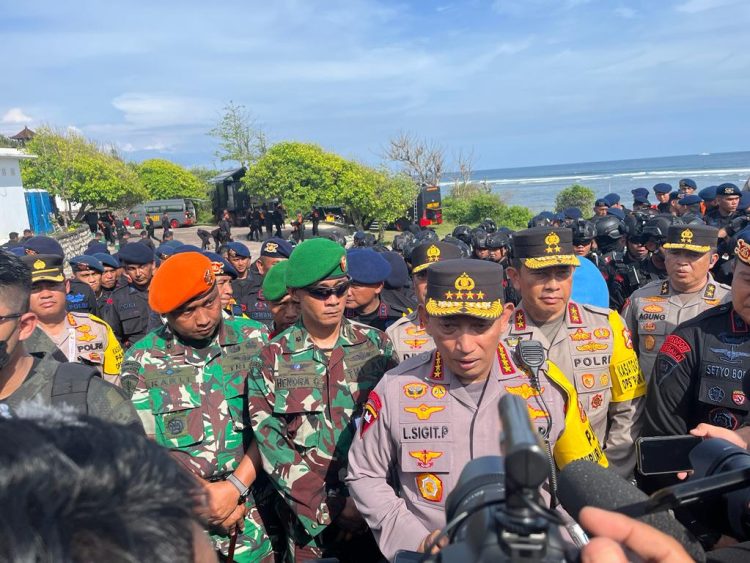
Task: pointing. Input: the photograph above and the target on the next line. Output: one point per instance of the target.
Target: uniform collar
(522, 322)
(301, 339)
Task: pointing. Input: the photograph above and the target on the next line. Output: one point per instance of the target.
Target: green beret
(274, 284)
(315, 260)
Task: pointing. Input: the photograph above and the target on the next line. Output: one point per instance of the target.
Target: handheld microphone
(583, 483)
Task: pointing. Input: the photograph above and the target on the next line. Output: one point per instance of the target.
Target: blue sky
(518, 82)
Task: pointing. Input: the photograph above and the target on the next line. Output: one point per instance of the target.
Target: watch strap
(239, 485)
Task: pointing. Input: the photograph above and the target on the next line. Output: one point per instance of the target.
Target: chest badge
(425, 458)
(430, 487)
(423, 412)
(415, 390)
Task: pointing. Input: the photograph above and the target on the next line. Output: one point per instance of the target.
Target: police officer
(111, 278)
(81, 337)
(583, 240)
(246, 283)
(306, 388)
(128, 313)
(728, 197)
(591, 345)
(662, 191)
(701, 371)
(687, 186)
(80, 296)
(225, 274)
(368, 271)
(88, 269)
(437, 411)
(479, 244)
(655, 310)
(187, 381)
(499, 246)
(407, 334)
(398, 291)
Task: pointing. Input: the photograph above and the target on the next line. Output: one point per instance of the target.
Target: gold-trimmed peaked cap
(544, 247)
(696, 238)
(45, 267)
(432, 252)
(465, 287)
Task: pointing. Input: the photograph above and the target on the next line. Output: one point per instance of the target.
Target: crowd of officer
(326, 395)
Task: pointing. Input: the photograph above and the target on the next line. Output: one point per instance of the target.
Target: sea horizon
(537, 186)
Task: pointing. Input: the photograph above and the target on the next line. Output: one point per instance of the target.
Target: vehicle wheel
(174, 223)
(138, 225)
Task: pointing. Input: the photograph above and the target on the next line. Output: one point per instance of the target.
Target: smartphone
(665, 454)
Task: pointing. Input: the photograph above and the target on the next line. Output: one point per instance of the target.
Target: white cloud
(625, 12)
(16, 115)
(159, 110)
(696, 6)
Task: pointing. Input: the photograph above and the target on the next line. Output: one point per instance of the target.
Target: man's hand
(429, 539)
(223, 498)
(617, 532)
(236, 521)
(738, 438)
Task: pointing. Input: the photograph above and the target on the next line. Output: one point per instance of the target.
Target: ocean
(537, 186)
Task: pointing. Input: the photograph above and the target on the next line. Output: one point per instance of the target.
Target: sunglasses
(324, 293)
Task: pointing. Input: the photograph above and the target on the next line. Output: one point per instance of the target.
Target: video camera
(495, 511)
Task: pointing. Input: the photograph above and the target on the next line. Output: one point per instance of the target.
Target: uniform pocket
(178, 414)
(302, 412)
(131, 320)
(235, 391)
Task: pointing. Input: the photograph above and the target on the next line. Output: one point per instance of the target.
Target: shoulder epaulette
(409, 364)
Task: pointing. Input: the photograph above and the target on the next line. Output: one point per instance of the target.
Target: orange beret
(178, 280)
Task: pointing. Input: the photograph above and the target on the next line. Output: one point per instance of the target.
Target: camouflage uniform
(193, 402)
(303, 403)
(409, 338)
(89, 340)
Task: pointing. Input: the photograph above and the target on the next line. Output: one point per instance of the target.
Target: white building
(13, 215)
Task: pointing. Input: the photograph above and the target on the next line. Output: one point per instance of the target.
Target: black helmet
(463, 233)
(583, 230)
(336, 237)
(479, 238)
(465, 248)
(498, 240)
(609, 227)
(540, 221)
(656, 227)
(400, 240)
(427, 235)
(634, 224)
(489, 226)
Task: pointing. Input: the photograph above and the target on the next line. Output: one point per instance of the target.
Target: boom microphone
(583, 483)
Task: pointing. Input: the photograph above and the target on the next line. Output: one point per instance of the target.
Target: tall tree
(422, 160)
(163, 179)
(303, 174)
(79, 171)
(240, 137)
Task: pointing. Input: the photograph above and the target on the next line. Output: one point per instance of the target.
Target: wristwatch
(243, 489)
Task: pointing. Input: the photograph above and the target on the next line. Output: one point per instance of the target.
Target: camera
(495, 511)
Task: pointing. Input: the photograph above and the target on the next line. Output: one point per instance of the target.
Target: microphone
(583, 483)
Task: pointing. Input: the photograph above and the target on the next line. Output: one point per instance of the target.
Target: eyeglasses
(12, 316)
(324, 293)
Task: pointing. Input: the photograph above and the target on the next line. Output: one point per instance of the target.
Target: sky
(511, 82)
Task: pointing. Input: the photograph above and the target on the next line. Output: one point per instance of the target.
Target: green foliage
(474, 209)
(166, 180)
(8, 143)
(303, 174)
(575, 196)
(79, 171)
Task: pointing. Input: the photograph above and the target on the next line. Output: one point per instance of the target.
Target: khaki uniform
(594, 350)
(409, 338)
(422, 425)
(89, 340)
(654, 311)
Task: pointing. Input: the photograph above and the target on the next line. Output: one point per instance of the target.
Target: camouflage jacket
(304, 403)
(193, 400)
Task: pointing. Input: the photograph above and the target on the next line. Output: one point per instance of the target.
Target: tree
(240, 137)
(575, 196)
(420, 159)
(163, 179)
(79, 171)
(303, 174)
(476, 208)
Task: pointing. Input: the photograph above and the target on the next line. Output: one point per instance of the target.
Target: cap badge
(728, 190)
(686, 236)
(464, 282)
(743, 251)
(39, 265)
(552, 241)
(343, 263)
(433, 254)
(216, 268)
(208, 277)
(272, 247)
